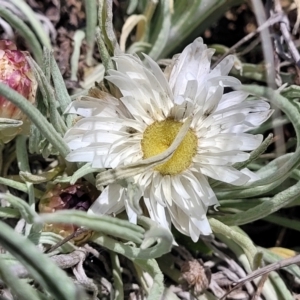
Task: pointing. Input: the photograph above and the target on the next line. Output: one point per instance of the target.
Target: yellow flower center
(159, 136)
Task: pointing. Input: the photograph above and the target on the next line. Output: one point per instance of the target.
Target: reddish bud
(15, 72)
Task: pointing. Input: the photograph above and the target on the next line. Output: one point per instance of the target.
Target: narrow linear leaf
(7, 212)
(242, 240)
(59, 84)
(41, 268)
(19, 288)
(54, 116)
(23, 162)
(157, 288)
(266, 208)
(36, 117)
(91, 23)
(23, 207)
(34, 21)
(25, 32)
(161, 30)
(280, 286)
(101, 223)
(161, 236)
(117, 276)
(289, 109)
(191, 18)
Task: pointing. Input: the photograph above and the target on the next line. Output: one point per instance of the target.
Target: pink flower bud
(15, 72)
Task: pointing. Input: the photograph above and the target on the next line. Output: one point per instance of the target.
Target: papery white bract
(145, 121)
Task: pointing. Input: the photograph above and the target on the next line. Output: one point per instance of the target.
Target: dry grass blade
(264, 271)
(270, 22)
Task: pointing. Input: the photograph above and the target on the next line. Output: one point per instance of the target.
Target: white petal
(139, 112)
(95, 123)
(221, 158)
(256, 119)
(93, 107)
(224, 80)
(156, 189)
(166, 188)
(179, 219)
(87, 154)
(199, 226)
(229, 141)
(196, 195)
(127, 154)
(138, 82)
(103, 136)
(165, 95)
(127, 86)
(194, 230)
(156, 211)
(224, 66)
(145, 178)
(213, 101)
(225, 174)
(209, 197)
(193, 63)
(132, 216)
(231, 99)
(159, 75)
(110, 201)
(74, 140)
(179, 189)
(253, 176)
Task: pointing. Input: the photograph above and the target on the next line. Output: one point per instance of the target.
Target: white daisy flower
(145, 121)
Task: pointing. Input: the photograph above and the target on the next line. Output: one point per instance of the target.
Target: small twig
(271, 21)
(268, 50)
(67, 239)
(284, 28)
(249, 48)
(286, 34)
(281, 236)
(296, 26)
(267, 45)
(260, 287)
(264, 271)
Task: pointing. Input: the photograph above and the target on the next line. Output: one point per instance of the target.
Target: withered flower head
(195, 275)
(77, 196)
